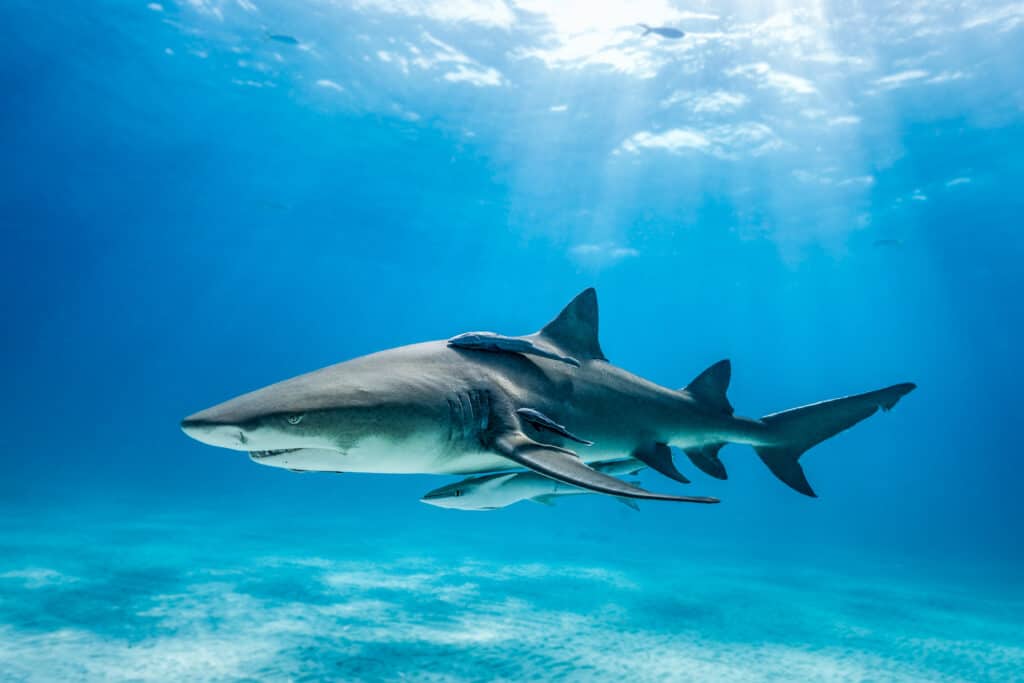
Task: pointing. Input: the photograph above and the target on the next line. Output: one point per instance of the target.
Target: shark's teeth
(267, 454)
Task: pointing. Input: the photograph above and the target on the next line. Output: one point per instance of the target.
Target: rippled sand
(188, 597)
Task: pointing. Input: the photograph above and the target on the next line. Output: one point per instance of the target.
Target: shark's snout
(215, 433)
(438, 501)
(445, 497)
(434, 498)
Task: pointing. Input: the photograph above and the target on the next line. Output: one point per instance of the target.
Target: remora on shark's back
(486, 402)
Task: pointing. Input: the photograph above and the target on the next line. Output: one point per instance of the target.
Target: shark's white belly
(423, 455)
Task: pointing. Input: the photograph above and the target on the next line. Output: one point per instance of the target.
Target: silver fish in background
(282, 38)
(663, 31)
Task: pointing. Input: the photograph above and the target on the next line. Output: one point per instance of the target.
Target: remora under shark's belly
(427, 456)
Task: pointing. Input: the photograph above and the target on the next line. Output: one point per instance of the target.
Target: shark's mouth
(268, 454)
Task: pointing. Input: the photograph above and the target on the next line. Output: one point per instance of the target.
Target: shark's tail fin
(794, 431)
(646, 28)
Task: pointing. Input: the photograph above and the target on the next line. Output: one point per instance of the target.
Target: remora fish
(496, 491)
(663, 31)
(439, 408)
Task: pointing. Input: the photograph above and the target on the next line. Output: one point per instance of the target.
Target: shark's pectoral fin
(542, 422)
(658, 456)
(491, 341)
(706, 460)
(565, 466)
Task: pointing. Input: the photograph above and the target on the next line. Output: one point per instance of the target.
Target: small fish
(663, 31)
(888, 243)
(283, 38)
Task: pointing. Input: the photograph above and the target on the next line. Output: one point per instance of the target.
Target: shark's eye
(458, 492)
(295, 419)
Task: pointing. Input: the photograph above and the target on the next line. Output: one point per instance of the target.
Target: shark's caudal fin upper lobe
(799, 429)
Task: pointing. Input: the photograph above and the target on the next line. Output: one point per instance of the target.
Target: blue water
(828, 195)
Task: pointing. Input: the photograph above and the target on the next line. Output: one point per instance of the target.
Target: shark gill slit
(468, 416)
(465, 414)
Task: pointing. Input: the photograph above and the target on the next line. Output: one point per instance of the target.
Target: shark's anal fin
(630, 503)
(565, 466)
(541, 421)
(706, 460)
(658, 456)
(492, 341)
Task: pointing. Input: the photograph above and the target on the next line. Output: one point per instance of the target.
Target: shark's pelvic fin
(629, 502)
(658, 457)
(706, 460)
(542, 422)
(798, 429)
(574, 330)
(491, 341)
(565, 466)
(709, 387)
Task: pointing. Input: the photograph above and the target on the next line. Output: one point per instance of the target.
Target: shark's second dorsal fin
(574, 331)
(709, 387)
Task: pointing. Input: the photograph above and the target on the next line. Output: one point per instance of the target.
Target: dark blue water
(828, 196)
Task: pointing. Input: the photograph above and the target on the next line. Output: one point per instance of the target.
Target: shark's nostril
(242, 438)
(192, 427)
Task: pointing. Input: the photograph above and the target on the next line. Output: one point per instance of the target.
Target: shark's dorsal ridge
(709, 387)
(574, 330)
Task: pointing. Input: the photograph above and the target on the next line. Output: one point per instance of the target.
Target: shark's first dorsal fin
(574, 331)
(709, 387)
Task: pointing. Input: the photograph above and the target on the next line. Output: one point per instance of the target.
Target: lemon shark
(548, 402)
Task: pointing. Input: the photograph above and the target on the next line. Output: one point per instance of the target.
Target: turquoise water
(202, 596)
(205, 197)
